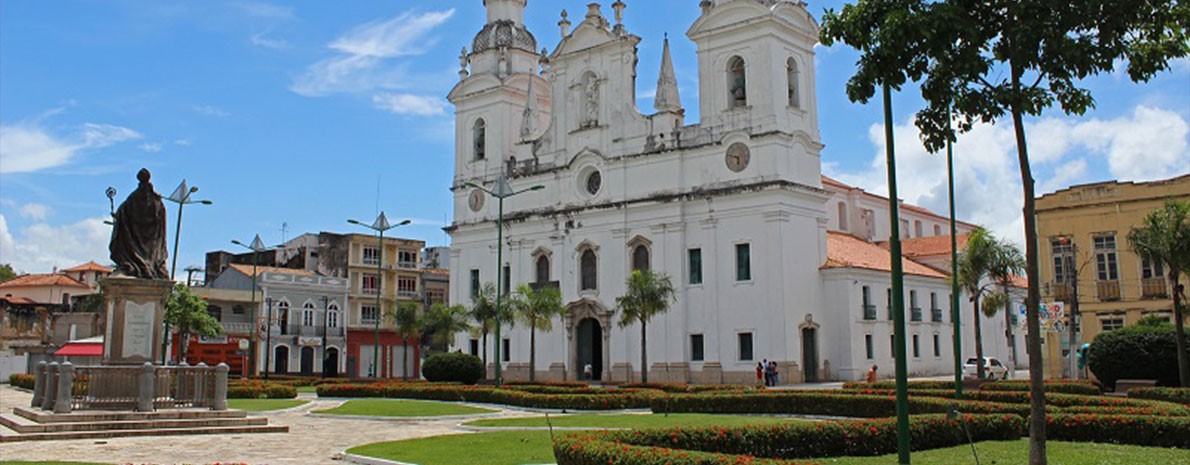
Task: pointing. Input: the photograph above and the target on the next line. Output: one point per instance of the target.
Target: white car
(992, 368)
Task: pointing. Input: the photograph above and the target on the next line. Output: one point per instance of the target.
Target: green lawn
(632, 421)
(521, 447)
(403, 408)
(310, 389)
(263, 405)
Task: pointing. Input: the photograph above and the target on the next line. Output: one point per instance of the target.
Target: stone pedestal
(135, 316)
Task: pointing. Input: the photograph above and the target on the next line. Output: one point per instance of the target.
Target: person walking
(759, 373)
(768, 374)
(872, 375)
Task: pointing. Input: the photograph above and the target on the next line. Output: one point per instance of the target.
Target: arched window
(283, 316)
(640, 258)
(794, 78)
(332, 316)
(308, 314)
(737, 83)
(543, 269)
(588, 266)
(480, 144)
(842, 216)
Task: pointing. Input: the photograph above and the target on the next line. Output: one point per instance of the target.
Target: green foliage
(403, 408)
(188, 313)
(443, 322)
(1164, 237)
(6, 272)
(91, 303)
(580, 400)
(820, 403)
(407, 319)
(1168, 394)
(453, 366)
(537, 308)
(257, 389)
(1120, 429)
(1135, 352)
(22, 380)
(1063, 386)
(649, 294)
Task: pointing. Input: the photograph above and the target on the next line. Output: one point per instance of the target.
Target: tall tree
(6, 272)
(649, 294)
(1006, 264)
(1164, 237)
(982, 59)
(409, 326)
(975, 263)
(537, 308)
(187, 314)
(483, 311)
(443, 322)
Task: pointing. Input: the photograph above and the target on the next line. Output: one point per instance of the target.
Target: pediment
(587, 35)
(725, 15)
(472, 85)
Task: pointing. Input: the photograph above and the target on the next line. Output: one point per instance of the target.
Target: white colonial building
(770, 259)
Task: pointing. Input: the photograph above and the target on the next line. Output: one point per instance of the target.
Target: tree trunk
(1180, 335)
(979, 369)
(1037, 420)
(404, 358)
(485, 354)
(183, 345)
(532, 350)
(644, 359)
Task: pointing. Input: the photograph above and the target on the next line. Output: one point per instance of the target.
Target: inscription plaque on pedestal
(135, 312)
(138, 329)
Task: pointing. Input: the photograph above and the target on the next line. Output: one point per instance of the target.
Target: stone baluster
(65, 383)
(51, 386)
(220, 400)
(38, 384)
(145, 394)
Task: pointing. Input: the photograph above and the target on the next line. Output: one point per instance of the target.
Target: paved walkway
(311, 440)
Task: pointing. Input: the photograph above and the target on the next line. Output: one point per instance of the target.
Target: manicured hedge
(719, 445)
(556, 384)
(453, 366)
(678, 388)
(604, 400)
(22, 380)
(1138, 430)
(1168, 394)
(1062, 386)
(890, 384)
(841, 404)
(542, 389)
(255, 389)
(1055, 403)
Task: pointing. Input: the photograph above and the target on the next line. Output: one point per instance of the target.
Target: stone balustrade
(63, 387)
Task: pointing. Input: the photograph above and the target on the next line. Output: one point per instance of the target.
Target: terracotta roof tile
(906, 206)
(19, 300)
(437, 271)
(36, 280)
(247, 270)
(847, 251)
(929, 246)
(90, 266)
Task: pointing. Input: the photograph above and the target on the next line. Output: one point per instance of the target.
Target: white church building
(769, 258)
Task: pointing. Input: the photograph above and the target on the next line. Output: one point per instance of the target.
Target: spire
(667, 97)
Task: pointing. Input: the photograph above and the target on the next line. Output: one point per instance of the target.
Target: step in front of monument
(65, 435)
(25, 427)
(42, 416)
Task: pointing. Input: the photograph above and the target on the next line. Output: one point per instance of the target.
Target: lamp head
(403, 223)
(233, 241)
(472, 184)
(537, 187)
(193, 189)
(356, 222)
(205, 202)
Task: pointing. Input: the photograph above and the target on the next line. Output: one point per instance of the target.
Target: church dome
(504, 33)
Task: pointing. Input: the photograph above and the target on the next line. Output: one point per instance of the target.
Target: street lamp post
(501, 192)
(380, 226)
(898, 288)
(268, 335)
(955, 321)
(326, 316)
(256, 247)
(181, 196)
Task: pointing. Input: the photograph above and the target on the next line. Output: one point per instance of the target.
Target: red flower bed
(841, 403)
(22, 380)
(1139, 430)
(582, 400)
(1169, 394)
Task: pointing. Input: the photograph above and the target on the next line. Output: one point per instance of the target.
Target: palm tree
(1007, 262)
(483, 311)
(537, 308)
(975, 263)
(443, 322)
(1164, 237)
(649, 294)
(409, 326)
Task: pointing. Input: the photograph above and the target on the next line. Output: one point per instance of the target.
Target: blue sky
(308, 113)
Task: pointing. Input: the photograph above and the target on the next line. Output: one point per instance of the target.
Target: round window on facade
(594, 182)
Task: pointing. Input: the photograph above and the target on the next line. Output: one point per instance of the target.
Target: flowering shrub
(678, 388)
(1139, 430)
(256, 389)
(842, 404)
(1169, 394)
(890, 384)
(22, 380)
(556, 384)
(580, 400)
(758, 444)
(1064, 386)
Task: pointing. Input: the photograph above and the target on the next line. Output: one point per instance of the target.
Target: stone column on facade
(65, 383)
(135, 315)
(605, 328)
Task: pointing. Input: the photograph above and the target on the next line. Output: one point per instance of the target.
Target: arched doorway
(330, 365)
(810, 354)
(307, 361)
(281, 360)
(590, 349)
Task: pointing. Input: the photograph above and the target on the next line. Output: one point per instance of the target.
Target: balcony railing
(406, 264)
(1108, 290)
(369, 291)
(915, 313)
(1153, 288)
(869, 312)
(936, 315)
(407, 294)
(237, 328)
(1061, 290)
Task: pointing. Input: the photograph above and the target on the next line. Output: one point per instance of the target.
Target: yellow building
(1085, 228)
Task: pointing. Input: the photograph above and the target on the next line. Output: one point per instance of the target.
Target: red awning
(72, 349)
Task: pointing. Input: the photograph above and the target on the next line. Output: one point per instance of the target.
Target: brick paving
(311, 440)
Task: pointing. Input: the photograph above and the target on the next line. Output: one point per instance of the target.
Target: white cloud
(210, 110)
(182, 142)
(34, 211)
(25, 148)
(363, 61)
(40, 247)
(151, 147)
(1147, 144)
(262, 39)
(408, 104)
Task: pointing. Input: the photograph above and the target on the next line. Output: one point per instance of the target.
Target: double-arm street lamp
(380, 226)
(181, 196)
(257, 246)
(501, 191)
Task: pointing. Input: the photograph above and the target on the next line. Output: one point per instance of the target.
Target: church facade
(770, 260)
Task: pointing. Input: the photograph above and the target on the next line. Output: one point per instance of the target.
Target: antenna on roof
(284, 230)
